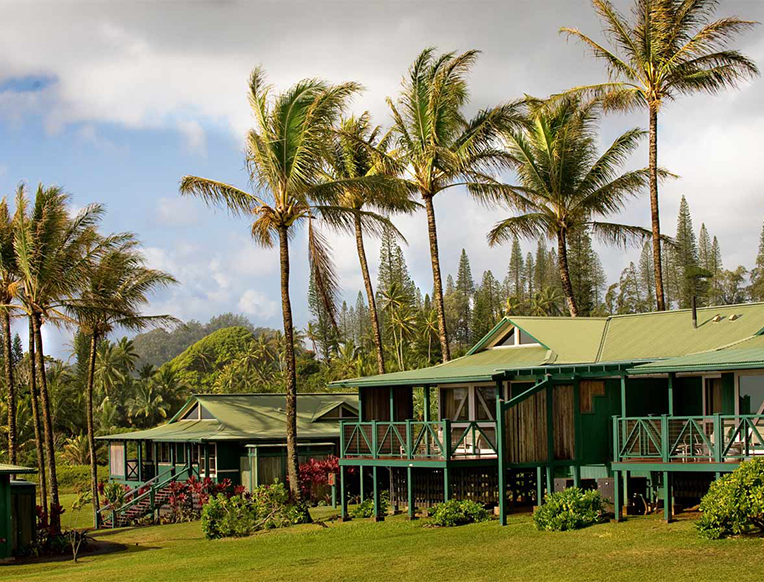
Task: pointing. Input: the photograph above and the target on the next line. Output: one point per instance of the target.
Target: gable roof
(247, 417)
(6, 469)
(605, 341)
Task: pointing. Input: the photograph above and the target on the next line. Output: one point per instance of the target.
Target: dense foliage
(455, 512)
(366, 507)
(267, 507)
(572, 508)
(734, 504)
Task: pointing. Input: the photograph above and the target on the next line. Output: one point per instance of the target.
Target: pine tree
(541, 273)
(581, 262)
(515, 271)
(487, 306)
(647, 276)
(629, 297)
(362, 320)
(716, 270)
(465, 289)
(757, 274)
(325, 335)
(704, 248)
(530, 274)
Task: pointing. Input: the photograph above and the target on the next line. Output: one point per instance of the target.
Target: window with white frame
(515, 337)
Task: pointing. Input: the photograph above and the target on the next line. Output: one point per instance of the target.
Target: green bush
(74, 478)
(572, 508)
(454, 512)
(366, 507)
(267, 507)
(734, 504)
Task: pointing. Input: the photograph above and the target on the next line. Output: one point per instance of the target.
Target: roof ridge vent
(716, 318)
(733, 317)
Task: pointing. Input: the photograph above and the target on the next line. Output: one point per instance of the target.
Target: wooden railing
(413, 439)
(669, 439)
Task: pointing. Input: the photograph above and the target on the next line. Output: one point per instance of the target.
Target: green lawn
(643, 548)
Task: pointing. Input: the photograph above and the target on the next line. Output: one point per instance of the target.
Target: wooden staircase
(147, 499)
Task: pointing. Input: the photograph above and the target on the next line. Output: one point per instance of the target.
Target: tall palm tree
(53, 254)
(8, 276)
(564, 184)
(286, 154)
(670, 48)
(358, 151)
(115, 289)
(441, 148)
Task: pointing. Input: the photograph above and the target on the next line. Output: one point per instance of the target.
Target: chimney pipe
(694, 312)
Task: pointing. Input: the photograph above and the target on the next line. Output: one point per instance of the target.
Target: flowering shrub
(314, 477)
(237, 515)
(455, 512)
(114, 493)
(572, 508)
(734, 504)
(188, 497)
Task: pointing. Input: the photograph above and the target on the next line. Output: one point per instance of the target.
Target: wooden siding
(588, 390)
(564, 423)
(376, 403)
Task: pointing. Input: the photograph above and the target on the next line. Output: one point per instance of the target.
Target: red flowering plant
(314, 478)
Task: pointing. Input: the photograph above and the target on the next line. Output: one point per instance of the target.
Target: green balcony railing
(669, 439)
(412, 439)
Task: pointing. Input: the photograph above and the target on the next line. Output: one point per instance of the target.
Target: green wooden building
(241, 437)
(17, 510)
(648, 407)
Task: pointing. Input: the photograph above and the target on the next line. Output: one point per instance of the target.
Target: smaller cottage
(17, 510)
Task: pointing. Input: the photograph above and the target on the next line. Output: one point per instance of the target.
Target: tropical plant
(458, 512)
(359, 151)
(564, 184)
(77, 451)
(572, 508)
(441, 148)
(53, 253)
(115, 288)
(671, 48)
(286, 154)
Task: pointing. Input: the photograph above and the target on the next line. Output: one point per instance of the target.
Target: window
(205, 414)
(180, 453)
(516, 337)
(117, 459)
(752, 394)
(507, 340)
(525, 339)
(192, 414)
(455, 404)
(485, 402)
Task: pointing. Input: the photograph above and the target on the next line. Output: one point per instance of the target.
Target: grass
(640, 548)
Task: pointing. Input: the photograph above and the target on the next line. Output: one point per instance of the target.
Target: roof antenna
(694, 312)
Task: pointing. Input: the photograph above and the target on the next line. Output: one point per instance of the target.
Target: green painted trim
(487, 337)
(676, 467)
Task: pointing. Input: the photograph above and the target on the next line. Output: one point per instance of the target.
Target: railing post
(152, 501)
(616, 441)
(501, 461)
(446, 439)
(374, 440)
(409, 441)
(342, 439)
(343, 495)
(718, 438)
(410, 492)
(665, 446)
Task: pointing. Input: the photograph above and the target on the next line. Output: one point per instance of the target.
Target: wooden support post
(576, 476)
(625, 492)
(539, 488)
(207, 460)
(391, 396)
(377, 510)
(361, 492)
(255, 467)
(140, 460)
(426, 403)
(671, 378)
(549, 481)
(578, 445)
(154, 458)
(550, 423)
(501, 458)
(718, 475)
(446, 485)
(617, 496)
(343, 494)
(623, 396)
(667, 496)
(124, 444)
(334, 495)
(410, 492)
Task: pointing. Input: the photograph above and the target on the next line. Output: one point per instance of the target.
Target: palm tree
(441, 148)
(564, 184)
(672, 48)
(359, 151)
(147, 402)
(53, 254)
(115, 288)
(8, 277)
(286, 154)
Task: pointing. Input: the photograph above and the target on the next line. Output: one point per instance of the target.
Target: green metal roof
(248, 417)
(612, 341)
(748, 354)
(6, 469)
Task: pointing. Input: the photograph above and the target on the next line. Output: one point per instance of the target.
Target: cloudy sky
(115, 101)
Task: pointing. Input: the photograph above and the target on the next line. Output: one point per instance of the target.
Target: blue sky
(115, 102)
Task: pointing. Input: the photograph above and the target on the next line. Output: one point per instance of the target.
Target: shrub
(74, 478)
(455, 512)
(314, 477)
(366, 507)
(572, 508)
(267, 507)
(734, 504)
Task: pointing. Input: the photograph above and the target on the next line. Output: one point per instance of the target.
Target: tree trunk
(567, 286)
(91, 429)
(12, 446)
(436, 278)
(291, 379)
(654, 210)
(376, 333)
(34, 398)
(50, 447)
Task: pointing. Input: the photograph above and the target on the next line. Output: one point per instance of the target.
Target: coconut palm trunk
(7, 352)
(291, 376)
(376, 333)
(437, 280)
(34, 398)
(91, 428)
(654, 209)
(50, 448)
(567, 286)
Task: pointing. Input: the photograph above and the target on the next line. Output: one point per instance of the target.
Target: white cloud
(256, 303)
(194, 136)
(177, 211)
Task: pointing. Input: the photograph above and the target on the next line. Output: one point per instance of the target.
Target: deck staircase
(146, 499)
